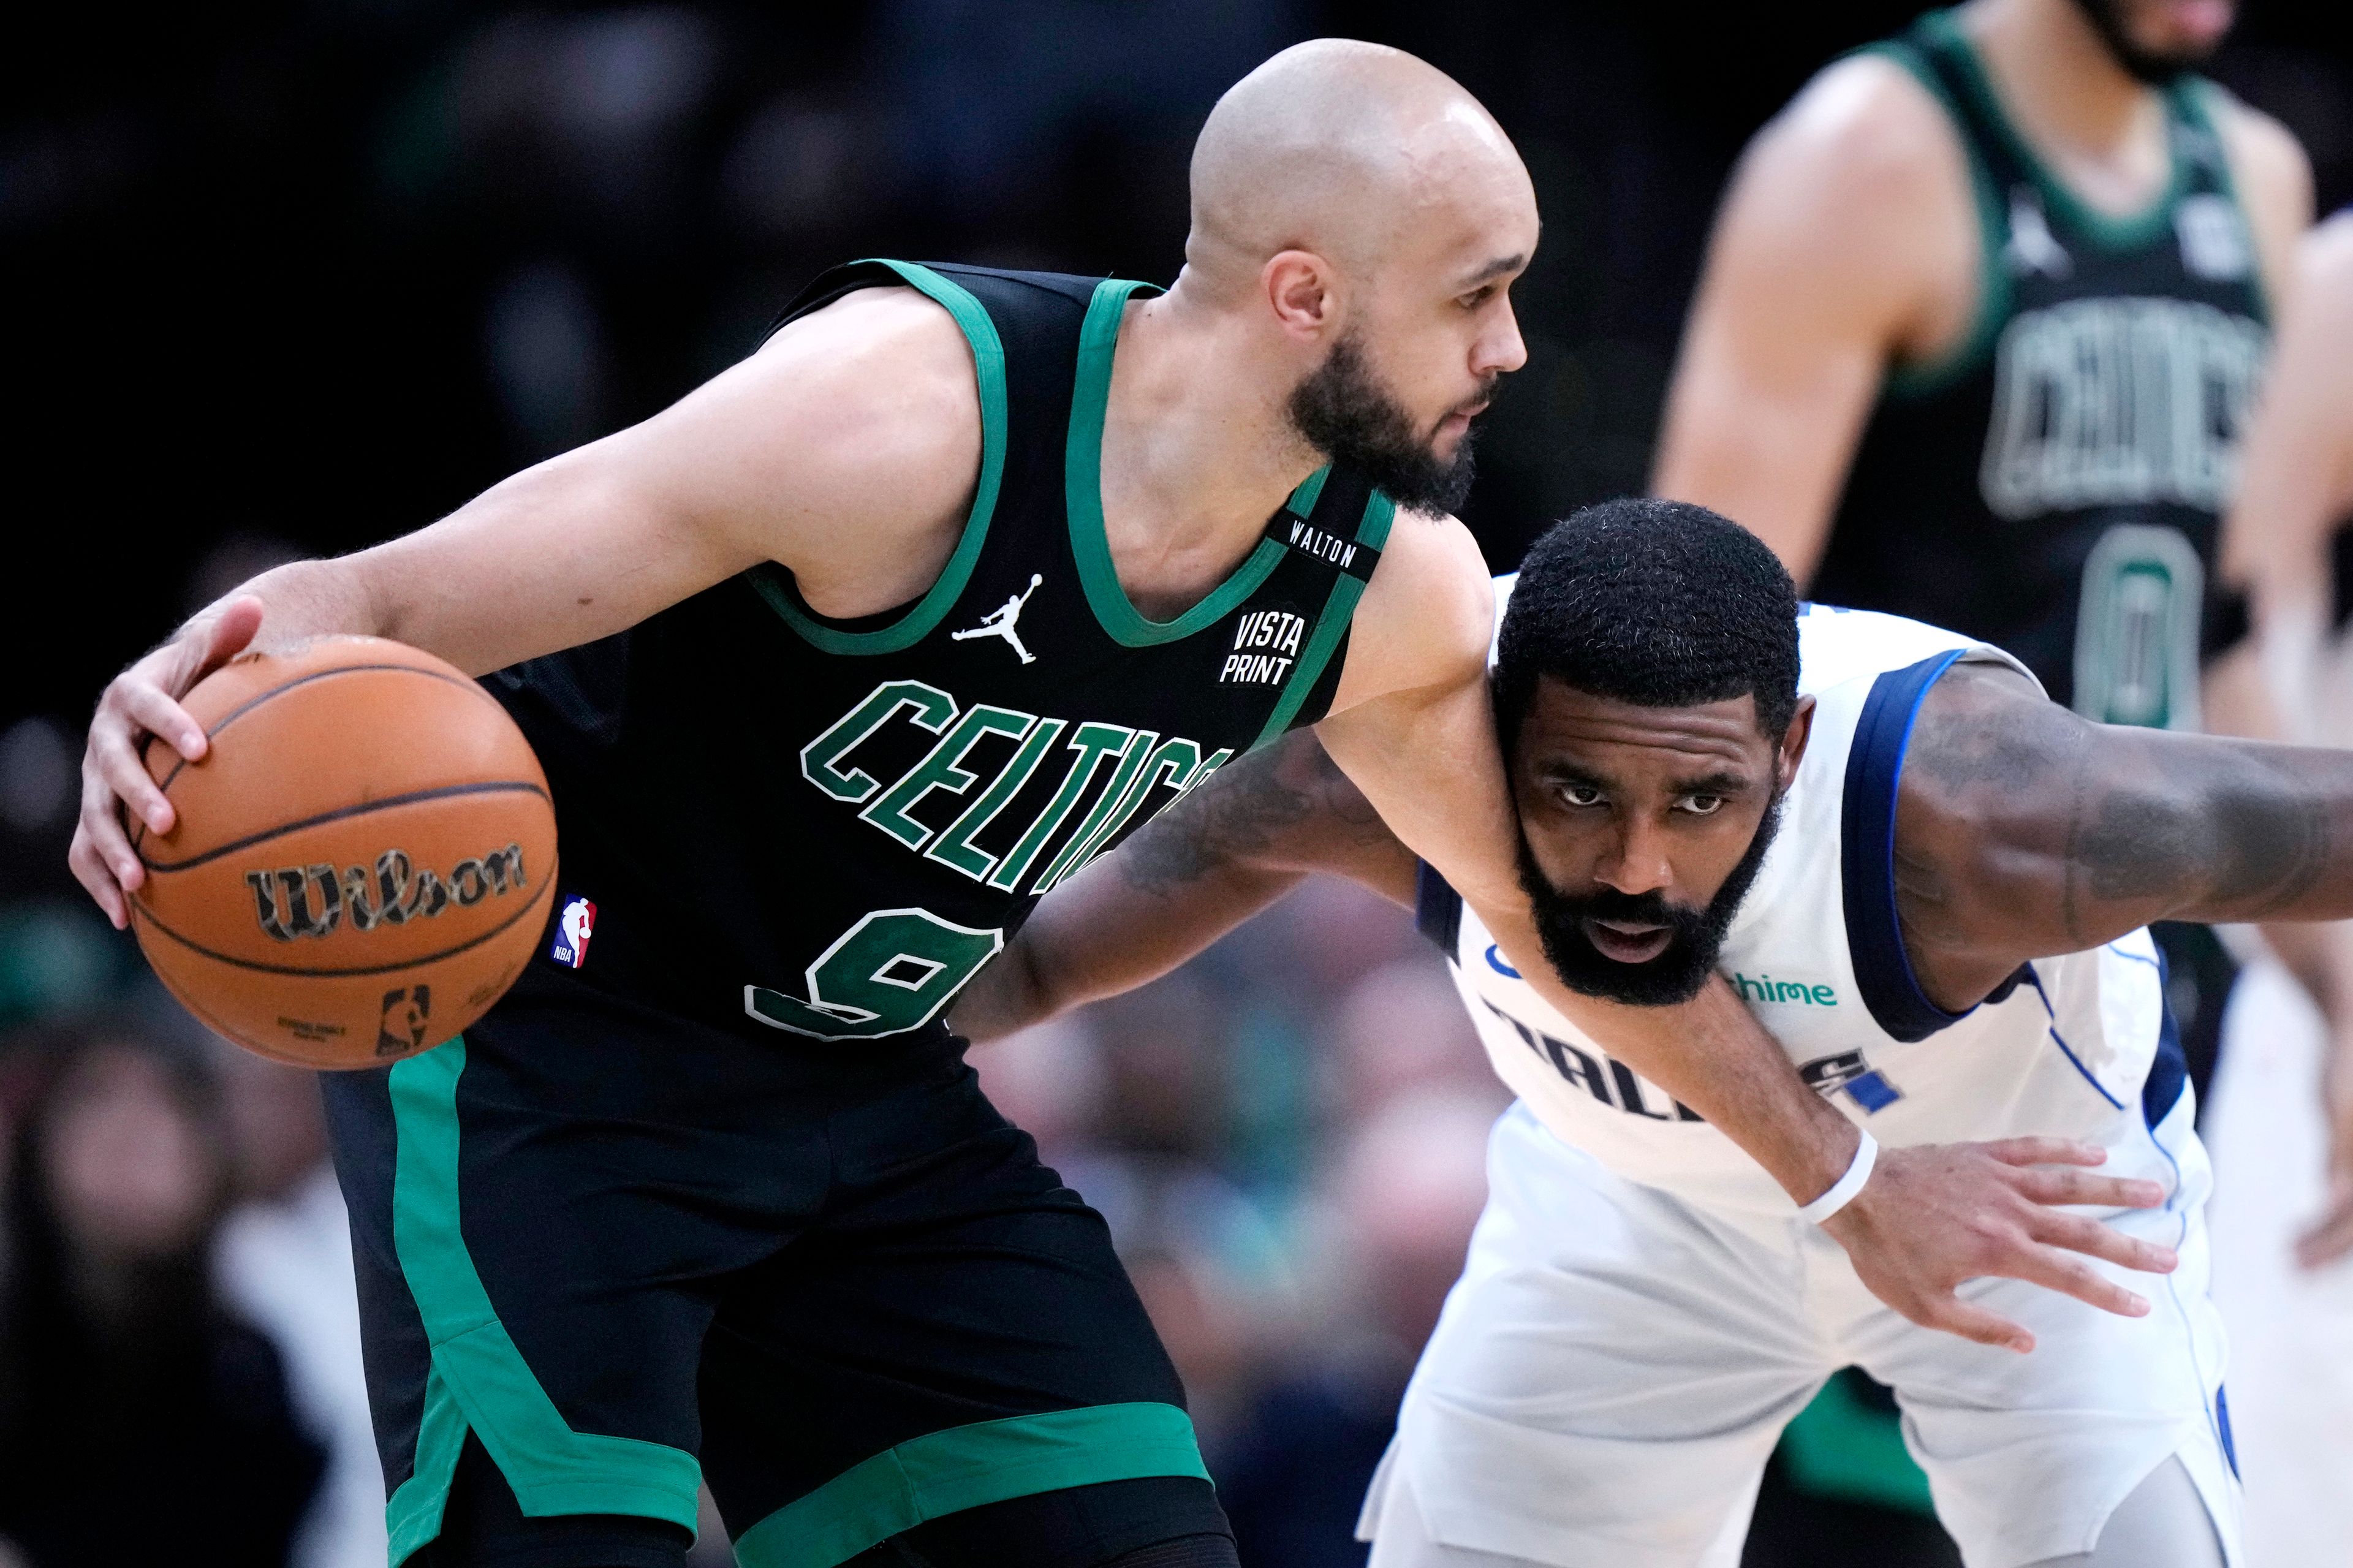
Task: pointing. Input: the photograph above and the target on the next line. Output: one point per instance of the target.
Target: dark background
(291, 277)
(318, 273)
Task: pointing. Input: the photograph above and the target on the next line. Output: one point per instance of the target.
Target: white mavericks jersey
(2071, 1047)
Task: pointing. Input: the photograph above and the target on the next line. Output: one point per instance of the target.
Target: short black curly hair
(1659, 603)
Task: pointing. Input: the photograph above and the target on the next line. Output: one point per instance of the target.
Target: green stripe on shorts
(966, 1467)
(480, 1380)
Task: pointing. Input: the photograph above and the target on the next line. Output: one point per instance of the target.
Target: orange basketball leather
(363, 860)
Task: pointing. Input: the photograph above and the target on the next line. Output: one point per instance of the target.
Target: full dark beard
(1342, 410)
(2107, 19)
(1676, 975)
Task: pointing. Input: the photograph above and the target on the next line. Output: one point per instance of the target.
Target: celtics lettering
(2119, 401)
(1090, 779)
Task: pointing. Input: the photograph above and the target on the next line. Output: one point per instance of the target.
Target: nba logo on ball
(570, 948)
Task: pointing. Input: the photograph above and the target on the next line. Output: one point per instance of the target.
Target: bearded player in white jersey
(1930, 882)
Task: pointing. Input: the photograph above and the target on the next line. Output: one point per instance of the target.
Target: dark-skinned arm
(1243, 839)
(1197, 871)
(2024, 831)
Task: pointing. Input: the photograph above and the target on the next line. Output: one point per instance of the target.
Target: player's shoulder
(2273, 174)
(2264, 152)
(1866, 125)
(2324, 256)
(1860, 183)
(1432, 577)
(1427, 614)
(1837, 647)
(888, 351)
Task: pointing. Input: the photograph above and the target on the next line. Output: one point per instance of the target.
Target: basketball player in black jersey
(1980, 326)
(1975, 340)
(834, 668)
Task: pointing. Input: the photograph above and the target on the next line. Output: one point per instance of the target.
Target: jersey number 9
(892, 972)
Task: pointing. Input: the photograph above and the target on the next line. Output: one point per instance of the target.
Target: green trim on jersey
(2199, 99)
(2112, 233)
(483, 1382)
(1931, 375)
(1082, 481)
(989, 364)
(968, 1467)
(1339, 611)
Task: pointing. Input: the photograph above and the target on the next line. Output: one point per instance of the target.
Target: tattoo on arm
(1286, 804)
(2037, 821)
(2225, 829)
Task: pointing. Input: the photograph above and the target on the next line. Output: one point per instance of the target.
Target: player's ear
(1301, 289)
(1793, 743)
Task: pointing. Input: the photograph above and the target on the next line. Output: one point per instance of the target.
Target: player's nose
(1636, 862)
(1501, 348)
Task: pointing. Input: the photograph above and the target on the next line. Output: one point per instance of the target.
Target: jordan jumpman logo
(1000, 623)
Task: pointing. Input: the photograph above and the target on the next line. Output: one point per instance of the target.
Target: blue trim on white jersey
(2168, 1074)
(1874, 935)
(2060, 1041)
(1437, 909)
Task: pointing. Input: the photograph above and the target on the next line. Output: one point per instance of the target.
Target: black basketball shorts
(628, 1255)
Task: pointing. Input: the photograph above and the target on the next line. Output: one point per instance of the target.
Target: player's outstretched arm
(846, 448)
(1413, 729)
(1226, 851)
(2024, 831)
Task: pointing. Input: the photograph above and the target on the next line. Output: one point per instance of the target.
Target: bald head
(1345, 150)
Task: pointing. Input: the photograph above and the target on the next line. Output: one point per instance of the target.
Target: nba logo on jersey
(570, 947)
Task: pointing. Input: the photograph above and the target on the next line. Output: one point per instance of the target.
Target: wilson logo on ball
(295, 901)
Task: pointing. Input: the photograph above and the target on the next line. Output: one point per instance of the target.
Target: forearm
(307, 599)
(1227, 850)
(573, 548)
(2219, 831)
(1711, 1054)
(1103, 933)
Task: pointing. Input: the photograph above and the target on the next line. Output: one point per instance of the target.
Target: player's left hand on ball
(1936, 1215)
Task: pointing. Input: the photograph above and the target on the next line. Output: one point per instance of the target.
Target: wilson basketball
(360, 863)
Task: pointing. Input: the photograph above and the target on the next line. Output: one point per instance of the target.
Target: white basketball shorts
(1614, 1367)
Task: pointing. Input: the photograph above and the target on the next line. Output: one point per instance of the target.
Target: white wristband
(1843, 1191)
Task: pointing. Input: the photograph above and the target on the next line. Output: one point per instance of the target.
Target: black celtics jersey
(815, 830)
(2055, 485)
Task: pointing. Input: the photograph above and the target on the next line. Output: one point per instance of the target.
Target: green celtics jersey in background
(2056, 485)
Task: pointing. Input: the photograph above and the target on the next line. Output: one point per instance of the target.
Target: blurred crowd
(328, 267)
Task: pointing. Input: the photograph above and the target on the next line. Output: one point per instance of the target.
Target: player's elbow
(1009, 995)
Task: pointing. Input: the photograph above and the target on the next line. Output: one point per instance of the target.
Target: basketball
(361, 862)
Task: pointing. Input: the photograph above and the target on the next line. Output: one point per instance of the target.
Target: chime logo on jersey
(573, 929)
(1266, 644)
(2117, 401)
(1110, 773)
(1765, 988)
